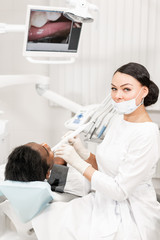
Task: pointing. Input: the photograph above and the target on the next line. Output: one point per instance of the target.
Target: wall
(30, 117)
(123, 31)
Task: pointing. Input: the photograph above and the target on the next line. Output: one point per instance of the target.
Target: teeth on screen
(53, 16)
(39, 19)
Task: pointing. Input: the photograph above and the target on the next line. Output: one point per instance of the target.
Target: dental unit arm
(42, 86)
(92, 120)
(11, 28)
(11, 80)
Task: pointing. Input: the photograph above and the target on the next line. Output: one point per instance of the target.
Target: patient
(36, 162)
(29, 162)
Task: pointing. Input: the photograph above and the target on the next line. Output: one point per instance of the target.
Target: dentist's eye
(113, 89)
(126, 89)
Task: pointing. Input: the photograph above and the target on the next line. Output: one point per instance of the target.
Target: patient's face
(50, 155)
(45, 152)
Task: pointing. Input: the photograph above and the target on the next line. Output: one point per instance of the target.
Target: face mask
(126, 107)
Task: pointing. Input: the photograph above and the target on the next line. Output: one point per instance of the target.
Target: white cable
(99, 111)
(98, 117)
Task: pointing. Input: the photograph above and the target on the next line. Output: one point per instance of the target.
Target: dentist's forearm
(89, 173)
(92, 161)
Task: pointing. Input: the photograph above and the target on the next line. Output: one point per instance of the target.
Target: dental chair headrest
(27, 198)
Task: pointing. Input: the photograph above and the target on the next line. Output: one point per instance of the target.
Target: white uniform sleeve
(76, 183)
(141, 158)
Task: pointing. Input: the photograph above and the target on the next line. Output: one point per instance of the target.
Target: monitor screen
(49, 33)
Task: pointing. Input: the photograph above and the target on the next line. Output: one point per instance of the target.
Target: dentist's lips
(49, 29)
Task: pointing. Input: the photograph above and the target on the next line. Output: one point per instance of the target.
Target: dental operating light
(80, 12)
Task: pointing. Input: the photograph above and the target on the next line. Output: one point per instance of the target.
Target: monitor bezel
(27, 53)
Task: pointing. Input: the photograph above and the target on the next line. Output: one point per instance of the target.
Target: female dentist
(123, 205)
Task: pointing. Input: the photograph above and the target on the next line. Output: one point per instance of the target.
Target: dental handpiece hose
(73, 134)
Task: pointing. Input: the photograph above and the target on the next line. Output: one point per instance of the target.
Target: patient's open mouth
(48, 26)
(49, 29)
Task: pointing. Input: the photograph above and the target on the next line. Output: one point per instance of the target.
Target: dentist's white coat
(124, 204)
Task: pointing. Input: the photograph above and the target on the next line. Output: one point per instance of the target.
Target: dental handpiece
(73, 134)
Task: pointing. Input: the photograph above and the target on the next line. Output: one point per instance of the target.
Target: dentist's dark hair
(25, 164)
(140, 73)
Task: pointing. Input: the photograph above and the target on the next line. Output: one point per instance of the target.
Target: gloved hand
(78, 146)
(69, 154)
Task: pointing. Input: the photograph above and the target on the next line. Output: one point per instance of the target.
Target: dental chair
(13, 228)
(20, 202)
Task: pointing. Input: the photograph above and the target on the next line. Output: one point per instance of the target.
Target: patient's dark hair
(140, 73)
(25, 164)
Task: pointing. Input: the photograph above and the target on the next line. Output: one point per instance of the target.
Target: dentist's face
(124, 87)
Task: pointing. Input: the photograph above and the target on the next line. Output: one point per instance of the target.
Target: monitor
(49, 33)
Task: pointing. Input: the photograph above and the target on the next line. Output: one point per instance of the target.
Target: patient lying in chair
(27, 168)
(36, 162)
(32, 163)
(29, 162)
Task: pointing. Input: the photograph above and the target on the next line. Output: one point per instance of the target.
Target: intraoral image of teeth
(53, 16)
(44, 25)
(38, 19)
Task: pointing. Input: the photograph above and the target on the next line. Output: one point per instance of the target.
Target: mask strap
(142, 98)
(139, 93)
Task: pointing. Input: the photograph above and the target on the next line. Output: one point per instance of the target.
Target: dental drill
(73, 134)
